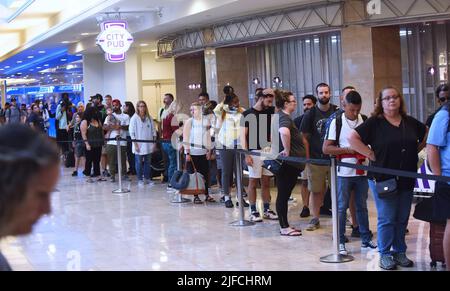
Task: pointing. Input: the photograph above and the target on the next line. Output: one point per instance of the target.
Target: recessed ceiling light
(38, 68)
(46, 65)
(144, 44)
(63, 60)
(31, 57)
(7, 67)
(42, 52)
(67, 42)
(2, 69)
(19, 62)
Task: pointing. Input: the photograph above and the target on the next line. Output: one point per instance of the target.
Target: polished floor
(92, 229)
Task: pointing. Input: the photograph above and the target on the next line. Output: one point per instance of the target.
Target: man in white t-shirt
(117, 125)
(349, 179)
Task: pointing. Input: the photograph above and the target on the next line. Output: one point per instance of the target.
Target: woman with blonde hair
(197, 147)
(142, 128)
(391, 139)
(229, 114)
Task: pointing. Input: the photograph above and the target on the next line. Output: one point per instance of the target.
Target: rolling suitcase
(436, 244)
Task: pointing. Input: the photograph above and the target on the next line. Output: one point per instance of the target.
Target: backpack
(326, 125)
(339, 124)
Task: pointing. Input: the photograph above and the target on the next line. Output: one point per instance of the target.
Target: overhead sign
(115, 40)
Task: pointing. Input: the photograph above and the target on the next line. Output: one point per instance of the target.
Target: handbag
(196, 184)
(386, 189)
(273, 166)
(180, 180)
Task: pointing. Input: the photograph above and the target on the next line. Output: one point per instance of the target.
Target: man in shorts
(255, 136)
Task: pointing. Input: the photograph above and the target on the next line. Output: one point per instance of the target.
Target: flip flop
(292, 232)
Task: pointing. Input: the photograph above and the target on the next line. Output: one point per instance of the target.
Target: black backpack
(325, 125)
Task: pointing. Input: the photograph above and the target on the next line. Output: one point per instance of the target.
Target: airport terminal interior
(60, 58)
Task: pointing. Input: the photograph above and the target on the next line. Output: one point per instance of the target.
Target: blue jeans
(393, 216)
(172, 159)
(345, 186)
(147, 171)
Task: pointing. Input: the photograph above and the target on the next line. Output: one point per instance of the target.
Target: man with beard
(309, 101)
(255, 136)
(312, 128)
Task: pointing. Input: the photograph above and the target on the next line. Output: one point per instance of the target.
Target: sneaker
(355, 232)
(75, 174)
(325, 211)
(255, 217)
(403, 261)
(106, 174)
(141, 183)
(197, 200)
(387, 262)
(222, 200)
(292, 199)
(270, 215)
(313, 225)
(368, 245)
(101, 179)
(305, 212)
(245, 204)
(343, 250)
(229, 204)
(148, 182)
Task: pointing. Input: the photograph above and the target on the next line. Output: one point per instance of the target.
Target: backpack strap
(338, 127)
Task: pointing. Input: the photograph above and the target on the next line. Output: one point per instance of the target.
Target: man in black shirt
(255, 136)
(309, 101)
(312, 128)
(442, 95)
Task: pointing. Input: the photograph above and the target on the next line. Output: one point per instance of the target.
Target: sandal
(210, 199)
(197, 200)
(290, 232)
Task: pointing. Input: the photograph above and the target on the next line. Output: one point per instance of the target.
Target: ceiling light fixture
(42, 52)
(31, 57)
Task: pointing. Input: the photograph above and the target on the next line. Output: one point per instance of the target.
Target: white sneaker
(140, 183)
(343, 250)
(148, 182)
(256, 217)
(270, 215)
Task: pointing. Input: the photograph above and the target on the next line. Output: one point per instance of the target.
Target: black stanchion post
(121, 190)
(178, 198)
(335, 257)
(242, 221)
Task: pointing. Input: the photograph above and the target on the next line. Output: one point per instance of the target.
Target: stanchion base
(121, 191)
(180, 201)
(336, 259)
(242, 223)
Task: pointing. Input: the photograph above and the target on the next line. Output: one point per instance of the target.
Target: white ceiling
(148, 26)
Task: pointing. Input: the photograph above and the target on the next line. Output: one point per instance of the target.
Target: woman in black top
(130, 110)
(290, 144)
(92, 133)
(395, 140)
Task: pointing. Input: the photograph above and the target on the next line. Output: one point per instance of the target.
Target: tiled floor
(92, 229)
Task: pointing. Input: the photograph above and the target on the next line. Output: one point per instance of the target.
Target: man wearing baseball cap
(117, 124)
(255, 137)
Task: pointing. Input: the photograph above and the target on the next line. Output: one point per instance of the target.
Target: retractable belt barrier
(335, 257)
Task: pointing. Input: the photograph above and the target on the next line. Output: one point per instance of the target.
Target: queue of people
(389, 138)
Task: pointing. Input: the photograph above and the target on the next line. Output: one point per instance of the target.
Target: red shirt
(167, 128)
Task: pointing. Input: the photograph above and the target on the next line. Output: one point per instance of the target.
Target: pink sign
(115, 40)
